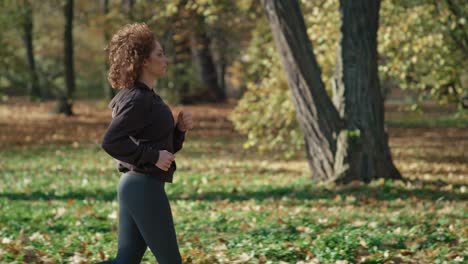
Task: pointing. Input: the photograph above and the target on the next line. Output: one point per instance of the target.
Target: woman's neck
(148, 80)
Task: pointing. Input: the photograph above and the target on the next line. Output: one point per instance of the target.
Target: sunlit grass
(58, 195)
(229, 205)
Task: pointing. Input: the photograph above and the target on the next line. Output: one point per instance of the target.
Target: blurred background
(245, 158)
(218, 48)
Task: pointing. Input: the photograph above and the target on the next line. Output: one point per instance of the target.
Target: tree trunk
(317, 117)
(33, 83)
(182, 52)
(207, 70)
(219, 56)
(361, 102)
(347, 142)
(127, 8)
(109, 92)
(65, 105)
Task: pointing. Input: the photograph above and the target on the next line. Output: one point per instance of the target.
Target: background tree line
(49, 46)
(422, 45)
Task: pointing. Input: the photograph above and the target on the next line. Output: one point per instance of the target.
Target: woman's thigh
(147, 202)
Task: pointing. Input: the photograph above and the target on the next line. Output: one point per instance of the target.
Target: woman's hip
(134, 184)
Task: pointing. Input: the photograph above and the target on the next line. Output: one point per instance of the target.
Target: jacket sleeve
(129, 121)
(179, 138)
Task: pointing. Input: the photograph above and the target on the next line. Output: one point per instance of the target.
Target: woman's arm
(129, 120)
(178, 139)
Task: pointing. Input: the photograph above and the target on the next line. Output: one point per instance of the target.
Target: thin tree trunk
(127, 8)
(220, 46)
(66, 100)
(207, 70)
(109, 92)
(28, 25)
(182, 52)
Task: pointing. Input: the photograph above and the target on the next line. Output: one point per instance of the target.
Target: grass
(58, 204)
(62, 199)
(428, 117)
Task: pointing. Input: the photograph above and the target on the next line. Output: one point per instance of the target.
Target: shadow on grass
(362, 193)
(453, 160)
(100, 195)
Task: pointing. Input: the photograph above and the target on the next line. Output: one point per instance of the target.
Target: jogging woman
(143, 138)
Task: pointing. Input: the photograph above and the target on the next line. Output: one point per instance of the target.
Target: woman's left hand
(184, 121)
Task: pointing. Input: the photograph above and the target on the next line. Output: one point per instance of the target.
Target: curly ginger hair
(127, 49)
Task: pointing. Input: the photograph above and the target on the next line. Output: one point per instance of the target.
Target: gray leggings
(145, 220)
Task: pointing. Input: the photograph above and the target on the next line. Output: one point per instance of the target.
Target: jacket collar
(142, 85)
(137, 85)
(146, 88)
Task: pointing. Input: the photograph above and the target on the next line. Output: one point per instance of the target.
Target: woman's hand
(165, 160)
(184, 121)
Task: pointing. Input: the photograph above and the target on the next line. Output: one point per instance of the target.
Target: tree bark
(28, 25)
(317, 118)
(219, 56)
(344, 138)
(183, 53)
(65, 105)
(207, 70)
(127, 8)
(109, 92)
(357, 83)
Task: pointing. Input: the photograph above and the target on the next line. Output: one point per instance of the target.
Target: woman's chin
(162, 73)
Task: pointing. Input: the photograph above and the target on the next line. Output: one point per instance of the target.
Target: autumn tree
(346, 140)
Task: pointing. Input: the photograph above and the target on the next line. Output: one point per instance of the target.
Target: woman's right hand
(165, 160)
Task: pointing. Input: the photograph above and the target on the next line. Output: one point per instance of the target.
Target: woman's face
(156, 64)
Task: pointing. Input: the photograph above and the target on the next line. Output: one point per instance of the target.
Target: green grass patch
(60, 203)
(421, 119)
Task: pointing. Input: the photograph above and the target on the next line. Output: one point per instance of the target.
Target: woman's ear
(145, 64)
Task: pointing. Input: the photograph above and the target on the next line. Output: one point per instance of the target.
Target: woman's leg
(146, 202)
(131, 246)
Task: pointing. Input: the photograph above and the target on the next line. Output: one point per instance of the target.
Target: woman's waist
(157, 144)
(147, 169)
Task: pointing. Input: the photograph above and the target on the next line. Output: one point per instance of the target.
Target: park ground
(230, 205)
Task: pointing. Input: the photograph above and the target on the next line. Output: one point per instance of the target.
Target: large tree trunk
(65, 104)
(317, 117)
(357, 83)
(337, 149)
(33, 83)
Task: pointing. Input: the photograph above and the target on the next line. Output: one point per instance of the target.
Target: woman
(143, 139)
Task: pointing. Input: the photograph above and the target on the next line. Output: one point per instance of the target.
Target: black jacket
(142, 125)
